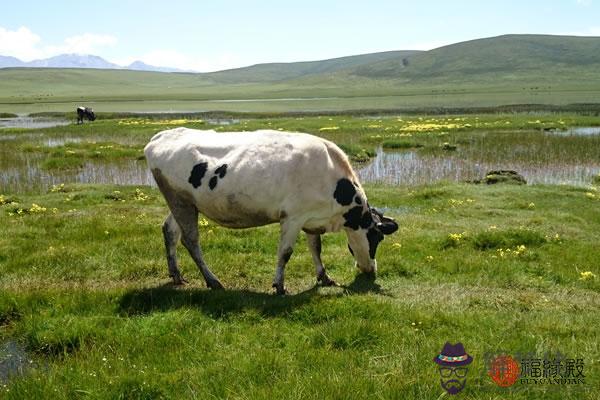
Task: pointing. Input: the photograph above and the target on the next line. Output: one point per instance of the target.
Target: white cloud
(26, 45)
(21, 43)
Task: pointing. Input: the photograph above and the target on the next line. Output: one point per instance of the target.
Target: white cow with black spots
(248, 179)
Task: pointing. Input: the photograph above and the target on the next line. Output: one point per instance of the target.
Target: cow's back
(242, 179)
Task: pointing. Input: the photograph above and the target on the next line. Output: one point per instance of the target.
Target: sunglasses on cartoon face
(447, 372)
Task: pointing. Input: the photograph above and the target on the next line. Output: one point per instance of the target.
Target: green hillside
(511, 69)
(509, 56)
(273, 72)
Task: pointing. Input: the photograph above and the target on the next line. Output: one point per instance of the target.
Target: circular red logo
(504, 370)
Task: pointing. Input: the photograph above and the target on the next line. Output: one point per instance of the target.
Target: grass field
(85, 291)
(85, 298)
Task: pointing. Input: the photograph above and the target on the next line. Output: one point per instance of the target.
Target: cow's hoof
(327, 281)
(280, 290)
(179, 280)
(214, 285)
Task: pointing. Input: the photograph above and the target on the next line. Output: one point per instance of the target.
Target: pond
(541, 157)
(410, 168)
(14, 360)
(575, 131)
(32, 122)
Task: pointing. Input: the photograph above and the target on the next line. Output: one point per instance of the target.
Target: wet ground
(568, 157)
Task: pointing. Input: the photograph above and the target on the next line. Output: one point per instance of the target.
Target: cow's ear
(387, 226)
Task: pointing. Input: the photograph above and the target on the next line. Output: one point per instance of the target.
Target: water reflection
(32, 122)
(27, 176)
(13, 360)
(416, 168)
(577, 131)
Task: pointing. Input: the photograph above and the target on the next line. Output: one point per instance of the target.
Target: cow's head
(364, 238)
(365, 226)
(90, 114)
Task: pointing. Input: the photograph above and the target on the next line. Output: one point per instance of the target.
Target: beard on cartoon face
(453, 386)
(453, 379)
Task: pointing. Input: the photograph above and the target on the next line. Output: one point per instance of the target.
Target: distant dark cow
(85, 112)
(242, 180)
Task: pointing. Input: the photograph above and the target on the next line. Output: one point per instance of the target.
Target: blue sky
(208, 36)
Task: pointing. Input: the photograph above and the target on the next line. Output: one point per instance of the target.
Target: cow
(85, 112)
(248, 179)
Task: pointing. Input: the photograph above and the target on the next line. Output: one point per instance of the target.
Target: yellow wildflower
(139, 195)
(584, 276)
(36, 209)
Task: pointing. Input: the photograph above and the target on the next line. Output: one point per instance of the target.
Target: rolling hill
(514, 55)
(273, 72)
(522, 68)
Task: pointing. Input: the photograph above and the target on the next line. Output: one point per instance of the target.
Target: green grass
(84, 289)
(74, 155)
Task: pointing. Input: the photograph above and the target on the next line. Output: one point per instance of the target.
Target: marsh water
(14, 360)
(31, 122)
(569, 157)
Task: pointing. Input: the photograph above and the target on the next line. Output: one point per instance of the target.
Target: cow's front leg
(288, 236)
(314, 245)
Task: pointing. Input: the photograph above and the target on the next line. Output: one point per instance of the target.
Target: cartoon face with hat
(452, 363)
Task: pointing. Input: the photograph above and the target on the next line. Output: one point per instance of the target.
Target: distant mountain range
(513, 57)
(80, 61)
(522, 65)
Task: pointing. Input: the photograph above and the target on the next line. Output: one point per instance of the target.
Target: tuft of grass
(400, 144)
(356, 152)
(494, 239)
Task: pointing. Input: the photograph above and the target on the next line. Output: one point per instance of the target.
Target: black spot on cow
(356, 218)
(213, 182)
(197, 174)
(344, 192)
(357, 200)
(374, 237)
(221, 171)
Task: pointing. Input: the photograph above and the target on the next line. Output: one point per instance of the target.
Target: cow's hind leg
(314, 245)
(288, 236)
(186, 216)
(172, 235)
